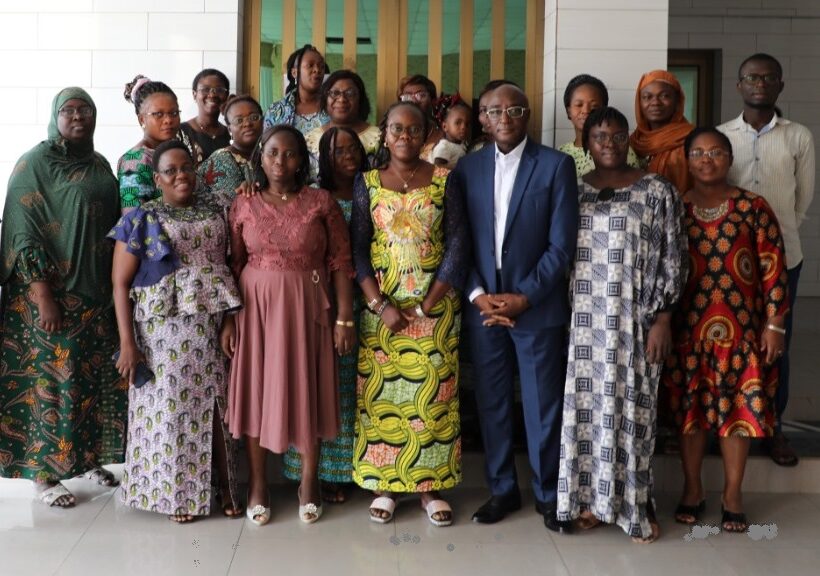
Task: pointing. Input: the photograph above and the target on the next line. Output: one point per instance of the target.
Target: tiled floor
(100, 537)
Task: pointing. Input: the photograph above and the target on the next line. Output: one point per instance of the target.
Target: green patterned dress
(408, 427)
(62, 403)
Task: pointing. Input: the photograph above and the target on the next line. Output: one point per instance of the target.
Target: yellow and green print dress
(407, 428)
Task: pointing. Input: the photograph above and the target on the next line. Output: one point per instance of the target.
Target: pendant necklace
(406, 183)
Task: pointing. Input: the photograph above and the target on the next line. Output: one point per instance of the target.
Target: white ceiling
(367, 24)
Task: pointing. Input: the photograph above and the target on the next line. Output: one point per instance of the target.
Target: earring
(142, 126)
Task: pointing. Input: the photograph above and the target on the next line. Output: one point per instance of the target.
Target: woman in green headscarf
(62, 405)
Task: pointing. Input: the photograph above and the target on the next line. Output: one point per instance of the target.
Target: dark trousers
(782, 397)
(541, 359)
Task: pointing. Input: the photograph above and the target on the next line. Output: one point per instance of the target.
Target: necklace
(203, 131)
(711, 214)
(406, 183)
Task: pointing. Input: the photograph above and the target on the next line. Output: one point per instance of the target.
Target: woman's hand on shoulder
(247, 190)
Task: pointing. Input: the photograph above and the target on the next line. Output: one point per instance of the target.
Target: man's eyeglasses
(753, 79)
(71, 111)
(512, 112)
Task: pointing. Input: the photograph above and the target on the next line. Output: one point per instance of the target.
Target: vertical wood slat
(497, 46)
(434, 42)
(465, 57)
(349, 46)
(387, 74)
(404, 37)
(253, 47)
(288, 31)
(320, 25)
(533, 65)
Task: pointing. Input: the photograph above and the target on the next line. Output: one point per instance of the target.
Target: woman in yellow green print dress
(409, 247)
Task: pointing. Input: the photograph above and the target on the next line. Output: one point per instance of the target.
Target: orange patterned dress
(717, 378)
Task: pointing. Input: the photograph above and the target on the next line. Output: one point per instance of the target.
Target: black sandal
(688, 510)
(733, 518)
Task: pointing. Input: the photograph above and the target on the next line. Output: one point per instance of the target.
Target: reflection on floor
(100, 537)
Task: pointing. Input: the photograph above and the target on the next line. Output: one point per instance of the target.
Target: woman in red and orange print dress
(729, 327)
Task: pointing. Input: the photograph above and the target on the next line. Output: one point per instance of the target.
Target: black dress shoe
(548, 511)
(497, 507)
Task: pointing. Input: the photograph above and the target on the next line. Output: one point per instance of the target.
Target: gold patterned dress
(408, 428)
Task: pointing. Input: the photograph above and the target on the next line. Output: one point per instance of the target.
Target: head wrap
(62, 199)
(664, 145)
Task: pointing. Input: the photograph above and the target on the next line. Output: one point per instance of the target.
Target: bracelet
(346, 323)
(777, 329)
(382, 307)
(373, 303)
(420, 312)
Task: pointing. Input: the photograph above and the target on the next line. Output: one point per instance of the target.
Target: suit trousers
(541, 359)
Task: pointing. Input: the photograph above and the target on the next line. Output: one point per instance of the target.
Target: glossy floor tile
(102, 537)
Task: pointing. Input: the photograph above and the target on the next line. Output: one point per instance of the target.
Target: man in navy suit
(522, 201)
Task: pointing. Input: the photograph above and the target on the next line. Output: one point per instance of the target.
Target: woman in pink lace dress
(288, 243)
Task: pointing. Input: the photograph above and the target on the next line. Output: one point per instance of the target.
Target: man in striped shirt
(774, 157)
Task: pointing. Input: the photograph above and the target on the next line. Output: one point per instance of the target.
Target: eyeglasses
(215, 90)
(172, 172)
(349, 94)
(342, 151)
(417, 96)
(512, 112)
(412, 131)
(161, 115)
(250, 119)
(714, 153)
(753, 79)
(71, 111)
(603, 138)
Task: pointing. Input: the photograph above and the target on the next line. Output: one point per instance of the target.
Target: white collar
(514, 154)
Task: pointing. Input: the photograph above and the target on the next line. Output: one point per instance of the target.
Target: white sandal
(435, 507)
(310, 512)
(102, 477)
(262, 511)
(50, 496)
(382, 504)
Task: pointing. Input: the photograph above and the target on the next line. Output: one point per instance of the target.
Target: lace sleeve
(361, 230)
(236, 222)
(338, 249)
(453, 267)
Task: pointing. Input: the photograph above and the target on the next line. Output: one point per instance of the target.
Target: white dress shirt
(778, 164)
(506, 169)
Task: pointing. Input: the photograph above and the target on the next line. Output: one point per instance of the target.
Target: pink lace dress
(284, 382)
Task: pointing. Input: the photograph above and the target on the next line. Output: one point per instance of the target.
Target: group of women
(226, 280)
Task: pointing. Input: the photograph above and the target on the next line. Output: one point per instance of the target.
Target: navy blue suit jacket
(539, 236)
